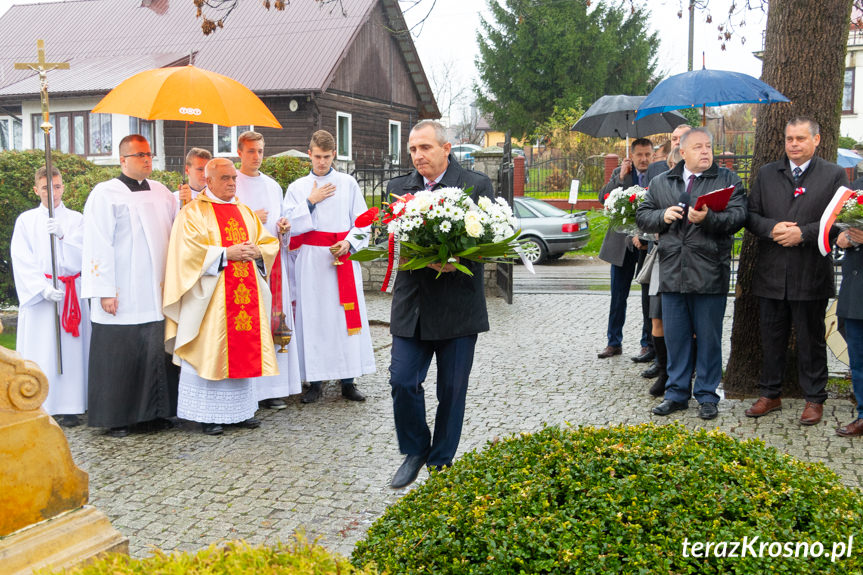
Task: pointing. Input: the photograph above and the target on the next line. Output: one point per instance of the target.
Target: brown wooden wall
(369, 124)
(374, 66)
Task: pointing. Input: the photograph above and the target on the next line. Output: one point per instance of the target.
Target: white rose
(473, 228)
(471, 218)
(484, 203)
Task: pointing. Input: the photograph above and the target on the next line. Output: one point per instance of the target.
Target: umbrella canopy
(848, 158)
(190, 94)
(704, 87)
(614, 117)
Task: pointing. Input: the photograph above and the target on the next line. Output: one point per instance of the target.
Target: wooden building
(356, 75)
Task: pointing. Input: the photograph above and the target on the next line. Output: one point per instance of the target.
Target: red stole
(344, 273)
(243, 317)
(276, 290)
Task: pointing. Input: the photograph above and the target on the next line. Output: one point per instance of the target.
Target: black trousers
(807, 317)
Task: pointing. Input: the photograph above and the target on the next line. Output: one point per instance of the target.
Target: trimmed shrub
(233, 558)
(617, 500)
(285, 169)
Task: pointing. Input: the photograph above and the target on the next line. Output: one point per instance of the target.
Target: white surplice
(125, 248)
(326, 350)
(263, 192)
(31, 260)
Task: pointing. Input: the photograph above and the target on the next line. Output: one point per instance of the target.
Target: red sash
(348, 298)
(71, 308)
(243, 318)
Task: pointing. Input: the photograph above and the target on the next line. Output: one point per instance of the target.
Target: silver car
(550, 231)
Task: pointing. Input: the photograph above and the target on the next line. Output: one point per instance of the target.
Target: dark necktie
(797, 174)
(692, 178)
(641, 176)
(430, 185)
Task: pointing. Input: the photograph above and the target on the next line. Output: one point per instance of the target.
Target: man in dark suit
(850, 309)
(660, 166)
(433, 316)
(792, 280)
(625, 253)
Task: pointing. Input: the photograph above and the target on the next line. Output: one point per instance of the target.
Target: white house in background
(852, 92)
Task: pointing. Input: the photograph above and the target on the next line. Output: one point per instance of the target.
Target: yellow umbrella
(190, 94)
(835, 341)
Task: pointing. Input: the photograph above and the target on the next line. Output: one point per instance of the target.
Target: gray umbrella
(614, 117)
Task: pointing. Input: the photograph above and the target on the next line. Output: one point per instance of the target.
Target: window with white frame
(848, 91)
(10, 133)
(146, 128)
(79, 133)
(395, 142)
(225, 139)
(343, 136)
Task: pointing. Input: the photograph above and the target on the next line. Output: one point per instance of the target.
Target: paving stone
(325, 467)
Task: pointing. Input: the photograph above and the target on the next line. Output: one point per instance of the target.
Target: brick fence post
(518, 176)
(611, 162)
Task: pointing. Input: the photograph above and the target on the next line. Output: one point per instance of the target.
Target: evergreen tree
(538, 54)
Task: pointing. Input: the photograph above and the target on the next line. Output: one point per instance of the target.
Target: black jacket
(452, 305)
(695, 258)
(799, 272)
(851, 291)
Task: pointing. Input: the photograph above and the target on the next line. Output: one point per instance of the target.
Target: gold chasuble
(220, 324)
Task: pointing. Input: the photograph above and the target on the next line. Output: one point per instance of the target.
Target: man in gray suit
(624, 253)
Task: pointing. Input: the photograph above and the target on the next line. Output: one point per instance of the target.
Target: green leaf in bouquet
(418, 262)
(369, 254)
(462, 269)
(468, 251)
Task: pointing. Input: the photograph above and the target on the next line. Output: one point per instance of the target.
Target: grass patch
(598, 226)
(7, 340)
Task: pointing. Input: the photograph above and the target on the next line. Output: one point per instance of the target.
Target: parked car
(464, 152)
(550, 231)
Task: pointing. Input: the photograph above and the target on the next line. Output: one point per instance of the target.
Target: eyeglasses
(139, 155)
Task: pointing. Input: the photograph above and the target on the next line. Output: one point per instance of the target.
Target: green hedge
(616, 500)
(285, 169)
(233, 558)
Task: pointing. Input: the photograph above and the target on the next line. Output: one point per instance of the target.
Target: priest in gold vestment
(217, 304)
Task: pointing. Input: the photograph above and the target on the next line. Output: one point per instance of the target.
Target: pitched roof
(295, 50)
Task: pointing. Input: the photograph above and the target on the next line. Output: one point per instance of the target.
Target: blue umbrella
(847, 158)
(701, 88)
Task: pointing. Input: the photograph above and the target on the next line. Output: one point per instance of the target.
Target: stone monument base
(64, 541)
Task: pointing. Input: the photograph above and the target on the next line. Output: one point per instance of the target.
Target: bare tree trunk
(804, 59)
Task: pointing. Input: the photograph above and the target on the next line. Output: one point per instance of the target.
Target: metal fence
(735, 262)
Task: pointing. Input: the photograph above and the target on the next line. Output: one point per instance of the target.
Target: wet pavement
(324, 468)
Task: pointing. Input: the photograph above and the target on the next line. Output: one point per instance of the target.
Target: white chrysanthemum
(424, 200)
(393, 227)
(457, 214)
(445, 226)
(398, 207)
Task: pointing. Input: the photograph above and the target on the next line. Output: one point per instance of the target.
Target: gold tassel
(348, 306)
(354, 330)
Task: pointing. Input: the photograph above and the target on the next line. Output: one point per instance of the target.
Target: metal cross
(43, 67)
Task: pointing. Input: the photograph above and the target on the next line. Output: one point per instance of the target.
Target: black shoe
(312, 394)
(658, 387)
(707, 411)
(651, 371)
(250, 423)
(155, 425)
(67, 420)
(212, 429)
(647, 354)
(274, 403)
(119, 431)
(667, 407)
(350, 392)
(408, 471)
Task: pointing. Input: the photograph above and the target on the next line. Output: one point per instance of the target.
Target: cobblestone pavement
(325, 467)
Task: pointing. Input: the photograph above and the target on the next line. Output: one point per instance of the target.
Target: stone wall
(374, 272)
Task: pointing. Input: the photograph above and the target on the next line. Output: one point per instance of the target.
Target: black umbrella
(614, 117)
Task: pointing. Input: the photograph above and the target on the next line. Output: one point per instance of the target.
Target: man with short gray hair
(792, 280)
(695, 258)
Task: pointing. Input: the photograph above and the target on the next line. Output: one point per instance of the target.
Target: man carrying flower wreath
(626, 253)
(792, 280)
(434, 316)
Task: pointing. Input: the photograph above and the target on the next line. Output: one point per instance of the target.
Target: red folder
(715, 200)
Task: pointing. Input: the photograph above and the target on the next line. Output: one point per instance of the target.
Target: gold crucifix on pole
(42, 68)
